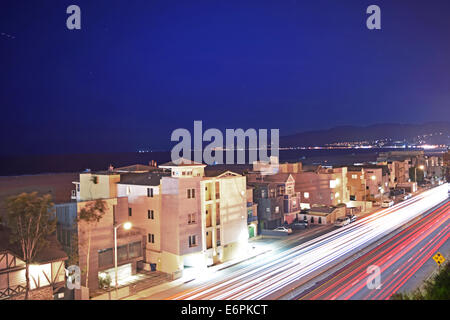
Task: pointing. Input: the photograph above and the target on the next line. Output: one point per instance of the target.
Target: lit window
(354, 176)
(306, 195)
(277, 209)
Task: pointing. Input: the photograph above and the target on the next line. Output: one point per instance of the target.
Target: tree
(31, 220)
(91, 214)
(436, 288)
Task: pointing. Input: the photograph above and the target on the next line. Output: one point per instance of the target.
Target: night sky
(137, 70)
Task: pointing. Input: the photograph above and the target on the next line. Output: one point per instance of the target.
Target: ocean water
(34, 164)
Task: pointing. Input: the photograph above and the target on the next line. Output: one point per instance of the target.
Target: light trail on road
(406, 251)
(275, 275)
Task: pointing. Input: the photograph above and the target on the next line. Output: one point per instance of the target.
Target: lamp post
(415, 172)
(126, 226)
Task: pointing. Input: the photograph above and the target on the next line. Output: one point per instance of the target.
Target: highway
(398, 259)
(279, 275)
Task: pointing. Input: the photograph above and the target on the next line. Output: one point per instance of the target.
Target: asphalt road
(398, 260)
(279, 275)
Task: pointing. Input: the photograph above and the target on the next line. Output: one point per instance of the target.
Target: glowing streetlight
(127, 225)
(421, 167)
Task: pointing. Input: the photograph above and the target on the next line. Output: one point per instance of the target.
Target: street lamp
(127, 226)
(415, 172)
(381, 194)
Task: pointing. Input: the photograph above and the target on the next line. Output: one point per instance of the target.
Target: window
(354, 176)
(192, 241)
(105, 257)
(190, 193)
(129, 212)
(306, 195)
(151, 238)
(191, 218)
(151, 214)
(352, 198)
(277, 209)
(150, 192)
(122, 253)
(134, 250)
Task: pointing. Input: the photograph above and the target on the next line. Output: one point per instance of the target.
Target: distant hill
(430, 133)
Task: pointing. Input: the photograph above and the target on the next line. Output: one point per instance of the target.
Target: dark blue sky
(137, 70)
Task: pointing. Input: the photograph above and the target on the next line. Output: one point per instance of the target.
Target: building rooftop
(136, 168)
(216, 170)
(323, 210)
(279, 177)
(53, 252)
(385, 168)
(182, 162)
(144, 179)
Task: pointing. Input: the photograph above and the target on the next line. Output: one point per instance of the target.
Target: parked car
(352, 217)
(283, 229)
(387, 203)
(407, 196)
(299, 225)
(342, 221)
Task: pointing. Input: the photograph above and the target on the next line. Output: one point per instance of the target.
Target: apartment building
(211, 210)
(96, 239)
(446, 163)
(252, 214)
(398, 172)
(326, 186)
(139, 201)
(182, 217)
(368, 182)
(277, 199)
